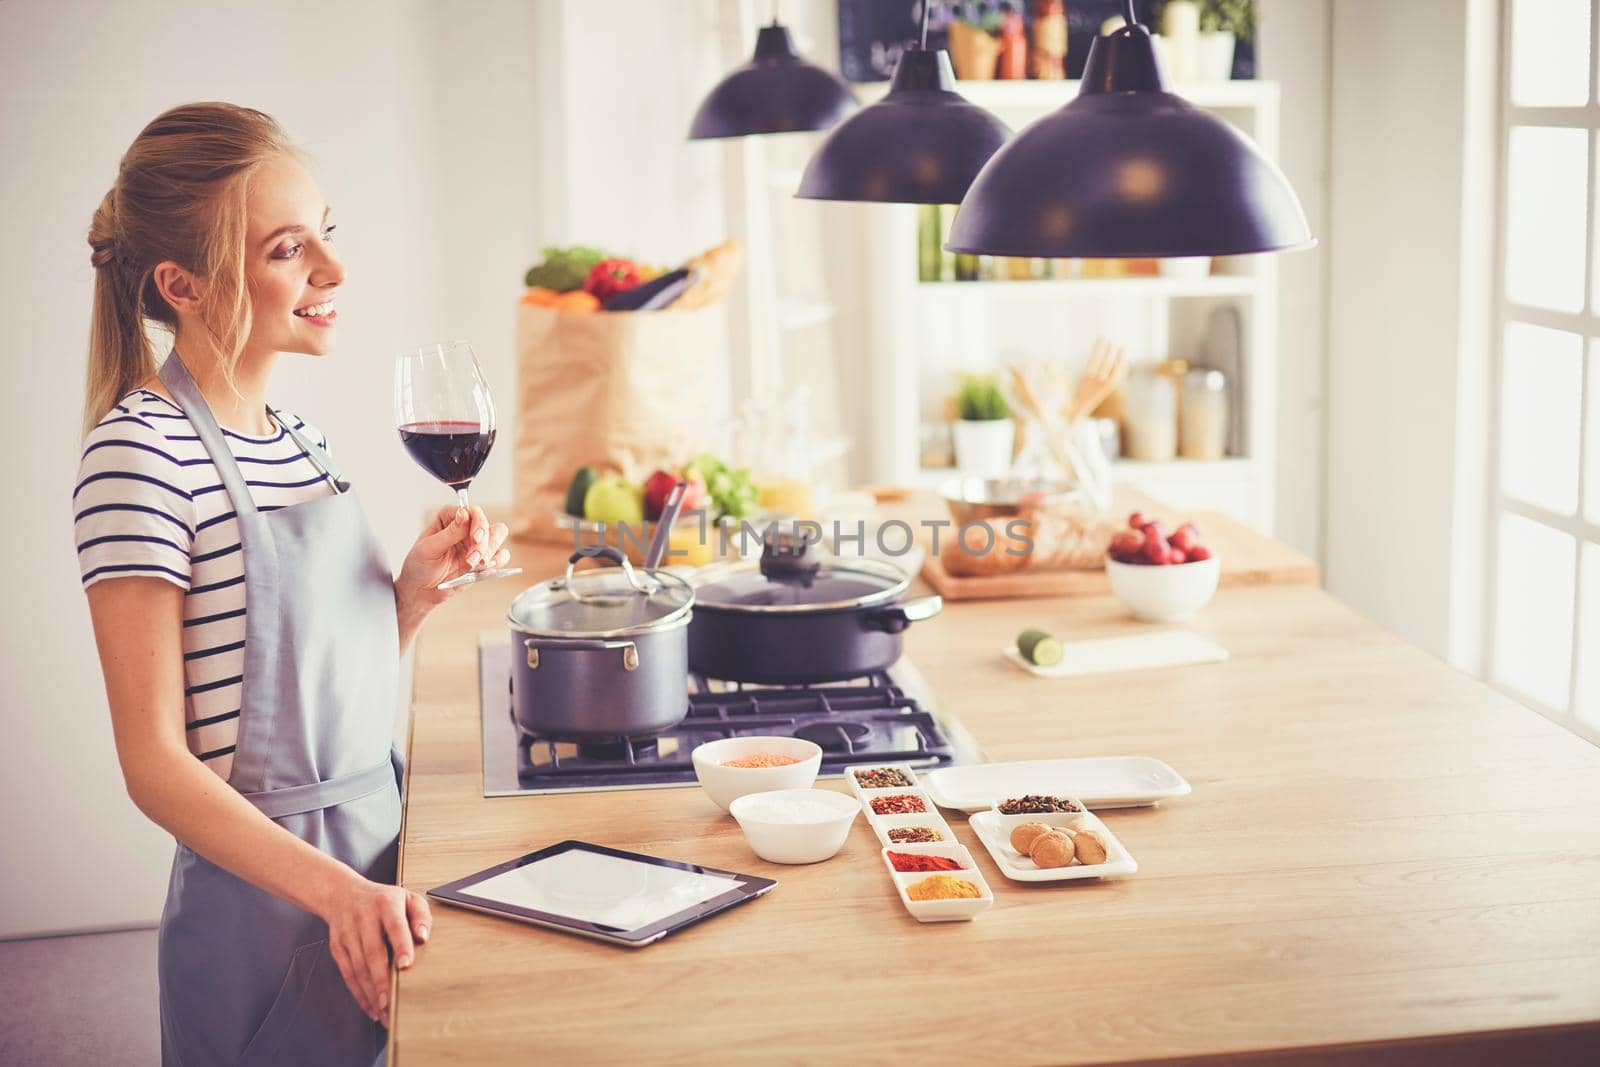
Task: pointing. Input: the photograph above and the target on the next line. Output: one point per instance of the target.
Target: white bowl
(795, 825)
(1189, 267)
(724, 785)
(1164, 592)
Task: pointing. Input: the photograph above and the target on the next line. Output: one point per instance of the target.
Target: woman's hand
(456, 541)
(366, 922)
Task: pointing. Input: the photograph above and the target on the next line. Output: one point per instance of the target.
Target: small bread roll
(1052, 849)
(1089, 847)
(1023, 836)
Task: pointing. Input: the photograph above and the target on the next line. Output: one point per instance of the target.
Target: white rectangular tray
(1019, 868)
(1099, 781)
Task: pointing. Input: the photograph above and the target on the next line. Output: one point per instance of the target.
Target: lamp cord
(1127, 13)
(927, 5)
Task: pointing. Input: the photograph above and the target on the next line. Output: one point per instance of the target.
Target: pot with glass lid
(601, 654)
(799, 615)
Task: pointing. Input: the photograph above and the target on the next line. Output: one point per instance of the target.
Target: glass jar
(1150, 416)
(1203, 427)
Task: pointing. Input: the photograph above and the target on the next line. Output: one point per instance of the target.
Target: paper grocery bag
(621, 391)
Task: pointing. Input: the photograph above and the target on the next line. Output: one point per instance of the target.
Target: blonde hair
(180, 196)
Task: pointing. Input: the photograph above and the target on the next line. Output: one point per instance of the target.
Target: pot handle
(897, 617)
(646, 585)
(630, 651)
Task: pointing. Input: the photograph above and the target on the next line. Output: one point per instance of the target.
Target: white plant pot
(1215, 56)
(983, 448)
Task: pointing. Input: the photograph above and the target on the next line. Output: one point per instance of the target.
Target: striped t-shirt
(149, 501)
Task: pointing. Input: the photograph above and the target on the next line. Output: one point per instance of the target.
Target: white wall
(1294, 48)
(1412, 94)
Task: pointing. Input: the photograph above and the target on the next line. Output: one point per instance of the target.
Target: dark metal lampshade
(1127, 169)
(776, 92)
(923, 143)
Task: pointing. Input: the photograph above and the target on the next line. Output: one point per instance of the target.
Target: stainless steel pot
(601, 654)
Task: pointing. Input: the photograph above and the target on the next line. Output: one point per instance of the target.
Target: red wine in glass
(452, 452)
(446, 421)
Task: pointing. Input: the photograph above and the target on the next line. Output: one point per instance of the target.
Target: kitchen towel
(1167, 648)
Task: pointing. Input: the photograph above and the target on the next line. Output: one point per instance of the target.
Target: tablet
(600, 892)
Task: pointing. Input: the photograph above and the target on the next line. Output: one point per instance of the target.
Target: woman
(248, 626)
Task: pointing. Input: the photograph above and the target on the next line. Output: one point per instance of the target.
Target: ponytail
(180, 197)
(119, 349)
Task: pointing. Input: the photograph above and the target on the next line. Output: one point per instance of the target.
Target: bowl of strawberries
(1162, 577)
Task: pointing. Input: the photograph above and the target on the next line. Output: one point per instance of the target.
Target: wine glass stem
(461, 496)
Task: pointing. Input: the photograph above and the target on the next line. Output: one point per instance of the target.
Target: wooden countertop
(1381, 856)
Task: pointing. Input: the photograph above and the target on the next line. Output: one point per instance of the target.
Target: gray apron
(247, 978)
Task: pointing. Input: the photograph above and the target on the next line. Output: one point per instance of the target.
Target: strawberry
(1198, 553)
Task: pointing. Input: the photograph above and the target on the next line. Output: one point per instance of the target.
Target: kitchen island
(1382, 858)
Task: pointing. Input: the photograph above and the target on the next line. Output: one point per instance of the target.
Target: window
(1543, 635)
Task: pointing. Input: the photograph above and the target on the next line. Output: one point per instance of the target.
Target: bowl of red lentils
(736, 766)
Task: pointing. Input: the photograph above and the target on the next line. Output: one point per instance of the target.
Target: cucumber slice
(1039, 648)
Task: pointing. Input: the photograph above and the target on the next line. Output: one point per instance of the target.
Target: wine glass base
(479, 576)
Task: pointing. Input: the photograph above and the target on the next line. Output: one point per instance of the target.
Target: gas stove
(881, 718)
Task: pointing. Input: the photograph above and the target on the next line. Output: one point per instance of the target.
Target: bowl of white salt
(795, 825)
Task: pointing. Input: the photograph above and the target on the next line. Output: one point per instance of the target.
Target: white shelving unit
(922, 332)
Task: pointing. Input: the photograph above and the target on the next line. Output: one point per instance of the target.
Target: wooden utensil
(1107, 366)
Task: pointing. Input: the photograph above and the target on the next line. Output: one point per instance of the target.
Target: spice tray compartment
(1019, 868)
(956, 909)
(905, 770)
(894, 799)
(930, 819)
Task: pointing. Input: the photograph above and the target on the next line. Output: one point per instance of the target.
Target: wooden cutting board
(1248, 558)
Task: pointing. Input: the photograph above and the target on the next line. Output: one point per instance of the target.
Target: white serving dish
(934, 911)
(784, 841)
(1019, 868)
(904, 768)
(1098, 781)
(724, 785)
(1164, 593)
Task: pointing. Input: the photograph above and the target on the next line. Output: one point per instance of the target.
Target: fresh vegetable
(609, 277)
(563, 269)
(613, 499)
(651, 295)
(539, 296)
(659, 486)
(581, 481)
(733, 494)
(577, 300)
(1039, 648)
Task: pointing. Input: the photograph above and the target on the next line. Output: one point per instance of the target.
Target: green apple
(614, 499)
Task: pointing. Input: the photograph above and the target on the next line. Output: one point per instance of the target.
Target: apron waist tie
(314, 796)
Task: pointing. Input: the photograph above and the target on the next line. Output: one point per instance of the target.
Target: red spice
(899, 804)
(910, 861)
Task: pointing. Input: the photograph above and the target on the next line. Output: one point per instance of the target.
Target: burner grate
(867, 719)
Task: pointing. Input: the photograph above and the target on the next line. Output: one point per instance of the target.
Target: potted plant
(984, 432)
(1222, 24)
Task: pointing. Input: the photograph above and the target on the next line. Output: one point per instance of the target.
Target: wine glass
(446, 421)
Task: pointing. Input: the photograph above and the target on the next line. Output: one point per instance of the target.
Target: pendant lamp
(923, 143)
(1127, 169)
(776, 92)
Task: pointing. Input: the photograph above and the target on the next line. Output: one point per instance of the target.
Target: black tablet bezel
(749, 887)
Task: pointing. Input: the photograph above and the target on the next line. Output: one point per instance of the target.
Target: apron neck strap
(317, 455)
(175, 376)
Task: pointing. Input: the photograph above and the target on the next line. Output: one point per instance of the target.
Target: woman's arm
(138, 625)
(456, 541)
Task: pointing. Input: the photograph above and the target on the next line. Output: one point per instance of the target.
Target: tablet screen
(614, 891)
(602, 892)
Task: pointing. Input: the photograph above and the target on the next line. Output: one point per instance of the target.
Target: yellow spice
(941, 887)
